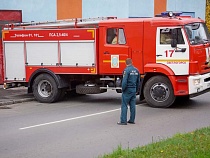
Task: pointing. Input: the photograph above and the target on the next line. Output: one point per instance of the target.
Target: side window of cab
(166, 38)
(115, 36)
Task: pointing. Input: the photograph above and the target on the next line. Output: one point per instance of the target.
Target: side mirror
(173, 43)
(174, 33)
(174, 38)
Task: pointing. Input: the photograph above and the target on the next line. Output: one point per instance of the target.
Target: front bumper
(196, 88)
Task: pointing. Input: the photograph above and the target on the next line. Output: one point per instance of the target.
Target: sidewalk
(14, 95)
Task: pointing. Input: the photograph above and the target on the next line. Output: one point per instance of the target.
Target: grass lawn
(190, 145)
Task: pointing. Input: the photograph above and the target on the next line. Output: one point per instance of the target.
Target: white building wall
(99, 8)
(197, 6)
(46, 10)
(141, 8)
(32, 10)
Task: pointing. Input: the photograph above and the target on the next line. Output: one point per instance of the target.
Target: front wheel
(158, 92)
(45, 89)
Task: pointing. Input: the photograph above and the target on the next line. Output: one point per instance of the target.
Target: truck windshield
(197, 33)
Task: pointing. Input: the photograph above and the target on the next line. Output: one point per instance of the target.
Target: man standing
(130, 86)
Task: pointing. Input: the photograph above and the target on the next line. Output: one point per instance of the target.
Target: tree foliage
(208, 13)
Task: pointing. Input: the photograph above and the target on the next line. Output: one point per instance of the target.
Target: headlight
(196, 82)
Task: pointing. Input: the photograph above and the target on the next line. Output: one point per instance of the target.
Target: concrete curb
(15, 101)
(15, 96)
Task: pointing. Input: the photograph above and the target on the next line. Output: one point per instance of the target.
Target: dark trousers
(128, 98)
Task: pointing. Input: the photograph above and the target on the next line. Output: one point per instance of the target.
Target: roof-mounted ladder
(75, 22)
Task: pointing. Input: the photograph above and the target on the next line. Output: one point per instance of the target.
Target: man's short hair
(128, 61)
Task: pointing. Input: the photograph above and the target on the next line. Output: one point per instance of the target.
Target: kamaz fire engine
(171, 52)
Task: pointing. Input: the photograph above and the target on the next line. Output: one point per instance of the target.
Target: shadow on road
(180, 104)
(94, 98)
(111, 98)
(189, 103)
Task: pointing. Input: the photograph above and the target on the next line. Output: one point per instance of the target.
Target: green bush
(208, 13)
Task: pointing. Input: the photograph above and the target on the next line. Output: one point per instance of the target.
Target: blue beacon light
(170, 14)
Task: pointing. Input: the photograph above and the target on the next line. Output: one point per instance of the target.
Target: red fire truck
(171, 52)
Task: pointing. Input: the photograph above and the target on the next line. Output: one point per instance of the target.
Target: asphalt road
(86, 126)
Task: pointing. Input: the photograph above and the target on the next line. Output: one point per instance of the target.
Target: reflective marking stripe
(172, 60)
(92, 31)
(109, 61)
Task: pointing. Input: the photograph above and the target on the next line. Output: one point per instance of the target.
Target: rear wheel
(45, 89)
(158, 92)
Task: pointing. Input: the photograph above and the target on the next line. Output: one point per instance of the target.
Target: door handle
(106, 52)
(180, 50)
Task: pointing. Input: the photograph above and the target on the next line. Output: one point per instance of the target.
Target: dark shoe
(131, 122)
(121, 123)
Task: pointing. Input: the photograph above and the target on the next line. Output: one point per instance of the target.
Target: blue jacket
(131, 78)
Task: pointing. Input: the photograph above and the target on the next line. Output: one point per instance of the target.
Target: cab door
(177, 59)
(113, 50)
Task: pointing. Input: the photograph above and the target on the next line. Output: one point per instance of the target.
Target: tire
(45, 89)
(158, 92)
(81, 89)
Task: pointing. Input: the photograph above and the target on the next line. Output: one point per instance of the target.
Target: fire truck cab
(87, 56)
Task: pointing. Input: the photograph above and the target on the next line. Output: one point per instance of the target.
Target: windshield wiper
(206, 41)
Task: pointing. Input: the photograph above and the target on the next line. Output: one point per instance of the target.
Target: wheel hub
(159, 92)
(44, 88)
